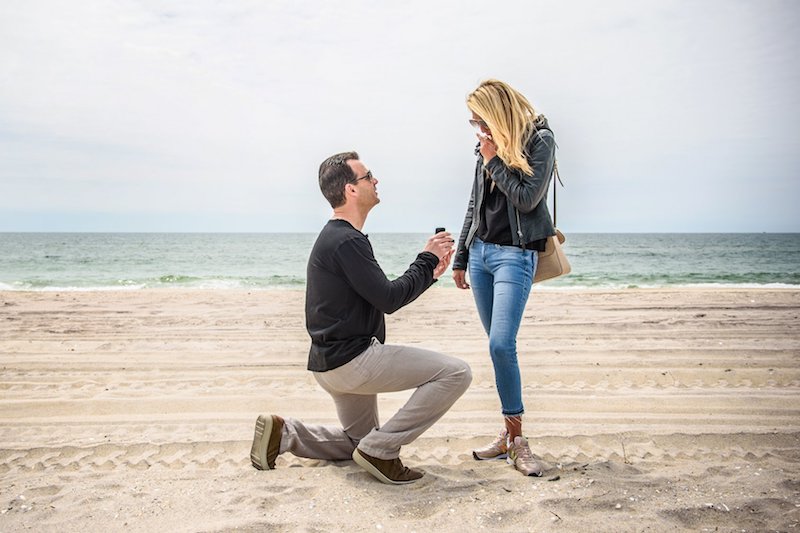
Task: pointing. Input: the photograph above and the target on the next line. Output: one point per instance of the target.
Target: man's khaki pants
(439, 379)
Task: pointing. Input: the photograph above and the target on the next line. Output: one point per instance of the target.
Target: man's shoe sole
(377, 474)
(258, 453)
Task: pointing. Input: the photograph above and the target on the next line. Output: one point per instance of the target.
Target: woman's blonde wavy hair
(509, 116)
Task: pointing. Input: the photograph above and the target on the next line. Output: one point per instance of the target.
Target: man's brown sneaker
(389, 471)
(266, 442)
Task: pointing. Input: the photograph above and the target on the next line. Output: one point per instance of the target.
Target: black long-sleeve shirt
(347, 294)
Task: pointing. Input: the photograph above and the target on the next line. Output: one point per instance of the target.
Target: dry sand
(654, 410)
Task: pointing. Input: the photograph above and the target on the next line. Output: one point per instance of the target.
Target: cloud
(223, 111)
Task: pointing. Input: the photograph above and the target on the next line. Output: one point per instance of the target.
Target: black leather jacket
(525, 194)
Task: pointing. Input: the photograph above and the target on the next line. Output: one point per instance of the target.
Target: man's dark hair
(334, 174)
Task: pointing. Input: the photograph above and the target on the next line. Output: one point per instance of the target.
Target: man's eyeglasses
(367, 176)
(478, 124)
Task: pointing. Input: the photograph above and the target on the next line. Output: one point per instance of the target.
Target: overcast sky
(126, 115)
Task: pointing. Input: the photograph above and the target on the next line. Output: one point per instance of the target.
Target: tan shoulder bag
(553, 263)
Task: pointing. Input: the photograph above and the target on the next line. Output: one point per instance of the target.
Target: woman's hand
(460, 277)
(488, 148)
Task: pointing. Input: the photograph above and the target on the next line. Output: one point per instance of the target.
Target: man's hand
(460, 277)
(444, 262)
(440, 245)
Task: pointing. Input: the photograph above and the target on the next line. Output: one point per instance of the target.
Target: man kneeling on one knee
(347, 295)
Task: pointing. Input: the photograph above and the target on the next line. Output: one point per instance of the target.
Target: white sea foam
(90, 288)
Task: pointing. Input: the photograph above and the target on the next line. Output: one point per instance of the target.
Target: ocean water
(129, 261)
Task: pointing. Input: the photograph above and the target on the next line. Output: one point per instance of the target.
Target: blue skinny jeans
(501, 279)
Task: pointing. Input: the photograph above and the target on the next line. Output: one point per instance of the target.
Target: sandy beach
(653, 410)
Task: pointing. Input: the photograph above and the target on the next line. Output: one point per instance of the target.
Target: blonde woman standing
(506, 226)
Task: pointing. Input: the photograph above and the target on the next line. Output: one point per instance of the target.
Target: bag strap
(558, 179)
